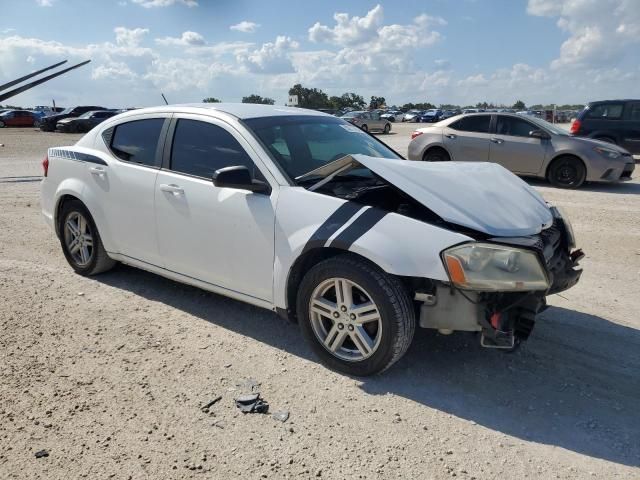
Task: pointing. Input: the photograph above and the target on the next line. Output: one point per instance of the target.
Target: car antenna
(164, 98)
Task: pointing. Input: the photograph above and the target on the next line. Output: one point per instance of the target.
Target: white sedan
(306, 215)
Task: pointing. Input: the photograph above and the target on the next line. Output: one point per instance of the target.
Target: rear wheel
(436, 155)
(365, 128)
(355, 317)
(567, 172)
(81, 241)
(1, 124)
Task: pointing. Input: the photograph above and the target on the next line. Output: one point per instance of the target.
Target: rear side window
(137, 141)
(201, 148)
(606, 111)
(474, 123)
(634, 111)
(515, 127)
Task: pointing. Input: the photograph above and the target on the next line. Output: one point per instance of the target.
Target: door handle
(175, 189)
(451, 136)
(499, 141)
(97, 171)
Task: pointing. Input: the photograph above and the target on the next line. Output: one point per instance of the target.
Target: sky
(441, 51)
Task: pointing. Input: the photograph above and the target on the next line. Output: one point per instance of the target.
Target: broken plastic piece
(252, 403)
(281, 415)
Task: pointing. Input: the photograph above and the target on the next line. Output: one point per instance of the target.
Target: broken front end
(498, 285)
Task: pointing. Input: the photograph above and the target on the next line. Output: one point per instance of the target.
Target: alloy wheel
(78, 238)
(345, 319)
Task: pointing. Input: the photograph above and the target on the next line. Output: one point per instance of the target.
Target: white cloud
(601, 32)
(245, 27)
(45, 3)
(130, 37)
(187, 39)
(165, 3)
(271, 57)
(348, 30)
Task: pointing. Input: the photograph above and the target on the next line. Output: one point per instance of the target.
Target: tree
(418, 106)
(253, 98)
(347, 100)
(211, 100)
(310, 97)
(376, 102)
(519, 105)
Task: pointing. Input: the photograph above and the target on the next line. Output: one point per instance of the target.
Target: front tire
(387, 128)
(355, 317)
(567, 172)
(365, 128)
(80, 240)
(1, 124)
(436, 155)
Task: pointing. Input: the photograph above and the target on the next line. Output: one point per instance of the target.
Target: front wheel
(567, 172)
(387, 128)
(365, 128)
(356, 318)
(1, 124)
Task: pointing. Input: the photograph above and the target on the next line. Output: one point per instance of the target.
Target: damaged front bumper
(504, 318)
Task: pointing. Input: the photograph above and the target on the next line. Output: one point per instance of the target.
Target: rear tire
(436, 155)
(365, 128)
(80, 240)
(567, 172)
(354, 346)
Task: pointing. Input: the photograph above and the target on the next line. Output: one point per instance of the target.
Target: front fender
(399, 245)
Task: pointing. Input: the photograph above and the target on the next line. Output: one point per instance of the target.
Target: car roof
(239, 110)
(614, 100)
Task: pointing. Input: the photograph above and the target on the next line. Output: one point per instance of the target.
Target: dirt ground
(108, 374)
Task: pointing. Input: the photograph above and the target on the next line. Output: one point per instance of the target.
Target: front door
(513, 148)
(221, 236)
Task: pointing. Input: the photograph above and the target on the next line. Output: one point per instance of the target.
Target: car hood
(485, 197)
(68, 119)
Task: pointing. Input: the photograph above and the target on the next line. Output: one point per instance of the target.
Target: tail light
(416, 134)
(45, 165)
(575, 126)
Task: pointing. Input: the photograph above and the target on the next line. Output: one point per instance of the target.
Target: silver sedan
(526, 146)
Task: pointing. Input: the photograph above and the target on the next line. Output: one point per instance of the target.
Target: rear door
(605, 120)
(125, 186)
(513, 148)
(222, 236)
(631, 134)
(467, 139)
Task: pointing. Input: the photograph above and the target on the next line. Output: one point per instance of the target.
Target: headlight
(560, 213)
(607, 152)
(494, 268)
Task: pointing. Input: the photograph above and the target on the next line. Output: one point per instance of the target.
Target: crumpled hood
(485, 197)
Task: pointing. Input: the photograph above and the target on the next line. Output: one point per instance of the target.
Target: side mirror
(541, 134)
(239, 177)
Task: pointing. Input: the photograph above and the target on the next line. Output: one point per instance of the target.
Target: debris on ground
(281, 415)
(42, 453)
(205, 408)
(249, 385)
(252, 403)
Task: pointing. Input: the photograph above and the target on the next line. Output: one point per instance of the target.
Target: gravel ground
(109, 374)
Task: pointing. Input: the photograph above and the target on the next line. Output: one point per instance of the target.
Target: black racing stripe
(78, 156)
(359, 227)
(331, 225)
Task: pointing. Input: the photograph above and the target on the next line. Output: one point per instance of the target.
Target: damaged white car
(306, 215)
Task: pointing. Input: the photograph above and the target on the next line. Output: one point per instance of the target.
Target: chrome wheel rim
(78, 238)
(345, 319)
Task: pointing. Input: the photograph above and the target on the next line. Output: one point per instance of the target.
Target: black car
(84, 122)
(48, 124)
(431, 116)
(614, 121)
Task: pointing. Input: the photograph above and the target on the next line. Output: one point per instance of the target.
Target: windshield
(302, 143)
(350, 114)
(66, 111)
(86, 115)
(548, 126)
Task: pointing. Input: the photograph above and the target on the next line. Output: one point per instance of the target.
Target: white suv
(306, 215)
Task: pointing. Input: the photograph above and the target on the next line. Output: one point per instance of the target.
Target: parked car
(84, 122)
(431, 116)
(368, 121)
(450, 113)
(17, 118)
(303, 214)
(49, 123)
(526, 146)
(412, 116)
(612, 121)
(393, 116)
